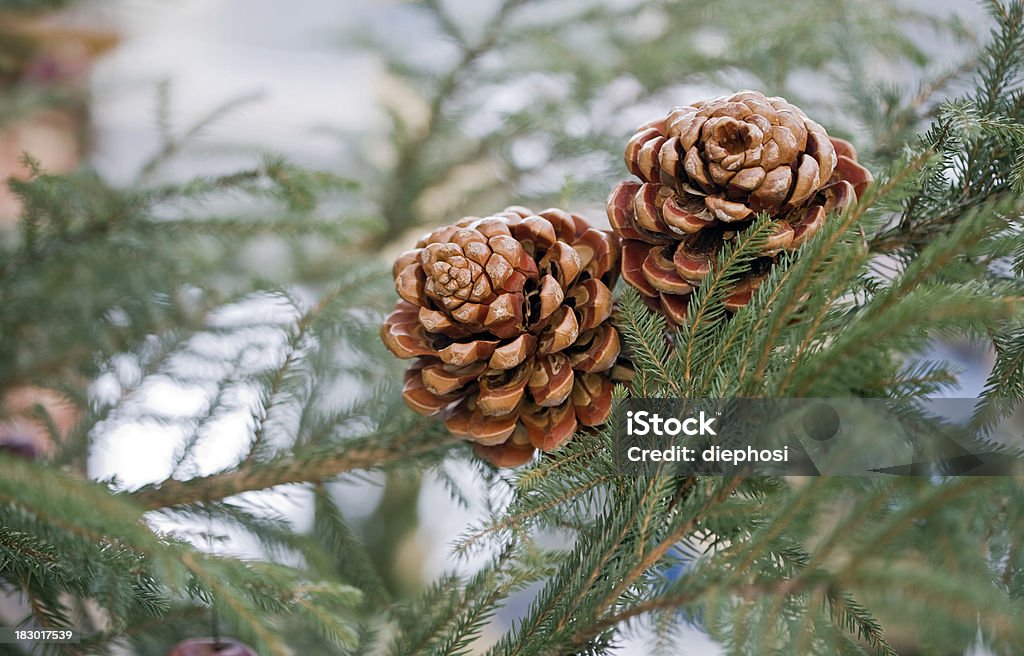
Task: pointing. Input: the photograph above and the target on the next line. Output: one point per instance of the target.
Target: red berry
(212, 647)
(17, 444)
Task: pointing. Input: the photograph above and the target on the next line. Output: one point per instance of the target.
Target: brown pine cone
(706, 170)
(508, 319)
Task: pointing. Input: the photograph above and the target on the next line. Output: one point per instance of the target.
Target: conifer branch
(516, 520)
(409, 175)
(227, 598)
(284, 470)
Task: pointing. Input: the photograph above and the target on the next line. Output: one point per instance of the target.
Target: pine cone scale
(560, 333)
(501, 395)
(660, 273)
(853, 173)
(597, 350)
(592, 398)
(514, 353)
(807, 180)
(551, 381)
(463, 353)
(551, 296)
(592, 303)
(634, 256)
(549, 428)
(440, 379)
(685, 216)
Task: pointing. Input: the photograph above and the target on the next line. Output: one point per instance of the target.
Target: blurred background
(429, 111)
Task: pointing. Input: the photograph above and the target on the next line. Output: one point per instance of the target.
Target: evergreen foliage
(106, 292)
(543, 94)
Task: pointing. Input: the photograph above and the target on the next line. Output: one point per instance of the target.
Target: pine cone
(707, 170)
(508, 319)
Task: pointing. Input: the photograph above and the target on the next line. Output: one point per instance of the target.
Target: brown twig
(280, 471)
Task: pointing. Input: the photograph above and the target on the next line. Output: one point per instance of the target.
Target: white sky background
(294, 55)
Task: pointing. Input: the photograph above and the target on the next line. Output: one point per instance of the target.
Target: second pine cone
(705, 171)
